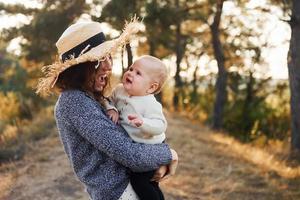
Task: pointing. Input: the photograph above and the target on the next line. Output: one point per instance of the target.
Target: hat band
(86, 46)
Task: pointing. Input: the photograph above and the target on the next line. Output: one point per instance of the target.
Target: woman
(101, 153)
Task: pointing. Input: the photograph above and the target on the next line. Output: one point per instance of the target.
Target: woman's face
(102, 72)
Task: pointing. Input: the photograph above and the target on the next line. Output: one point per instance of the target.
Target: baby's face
(139, 78)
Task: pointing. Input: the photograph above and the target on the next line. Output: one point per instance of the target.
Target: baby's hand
(113, 115)
(135, 120)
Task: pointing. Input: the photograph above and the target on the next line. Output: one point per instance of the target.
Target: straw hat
(82, 42)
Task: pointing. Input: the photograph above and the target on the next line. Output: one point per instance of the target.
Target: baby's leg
(144, 188)
(160, 194)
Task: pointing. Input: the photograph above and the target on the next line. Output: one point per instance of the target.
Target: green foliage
(46, 26)
(15, 90)
(122, 11)
(256, 108)
(158, 20)
(15, 138)
(18, 105)
(16, 9)
(9, 107)
(248, 113)
(13, 76)
(196, 99)
(23, 117)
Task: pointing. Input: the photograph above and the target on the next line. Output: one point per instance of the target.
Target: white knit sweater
(147, 108)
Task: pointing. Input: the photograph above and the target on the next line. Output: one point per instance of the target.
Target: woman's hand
(113, 115)
(160, 173)
(164, 172)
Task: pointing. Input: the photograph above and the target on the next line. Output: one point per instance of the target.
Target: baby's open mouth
(128, 80)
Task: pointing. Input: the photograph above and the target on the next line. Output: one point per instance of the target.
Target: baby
(133, 105)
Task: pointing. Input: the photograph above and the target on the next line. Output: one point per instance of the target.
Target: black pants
(144, 188)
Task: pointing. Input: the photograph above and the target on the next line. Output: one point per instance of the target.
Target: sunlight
(7, 181)
(232, 130)
(8, 21)
(27, 3)
(255, 3)
(14, 46)
(274, 31)
(257, 156)
(275, 56)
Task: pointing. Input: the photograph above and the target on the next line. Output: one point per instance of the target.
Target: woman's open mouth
(101, 80)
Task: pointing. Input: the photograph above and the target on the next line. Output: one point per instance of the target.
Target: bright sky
(277, 32)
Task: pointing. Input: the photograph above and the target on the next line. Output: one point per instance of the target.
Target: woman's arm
(165, 171)
(90, 122)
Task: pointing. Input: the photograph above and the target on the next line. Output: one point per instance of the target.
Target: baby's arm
(152, 123)
(111, 110)
(113, 115)
(135, 120)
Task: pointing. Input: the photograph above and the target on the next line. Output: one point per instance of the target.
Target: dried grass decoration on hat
(82, 42)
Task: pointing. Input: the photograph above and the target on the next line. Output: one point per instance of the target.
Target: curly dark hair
(80, 77)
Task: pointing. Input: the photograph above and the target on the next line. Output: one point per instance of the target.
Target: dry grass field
(212, 167)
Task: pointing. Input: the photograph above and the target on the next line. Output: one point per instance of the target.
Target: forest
(215, 49)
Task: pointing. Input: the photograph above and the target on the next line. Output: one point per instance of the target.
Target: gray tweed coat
(100, 152)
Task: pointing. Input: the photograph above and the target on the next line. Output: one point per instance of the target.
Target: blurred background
(228, 64)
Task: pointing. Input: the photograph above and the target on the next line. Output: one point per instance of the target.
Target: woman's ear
(153, 87)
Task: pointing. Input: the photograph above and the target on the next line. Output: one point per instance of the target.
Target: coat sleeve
(91, 123)
(110, 102)
(154, 121)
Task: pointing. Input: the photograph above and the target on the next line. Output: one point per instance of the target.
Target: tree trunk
(178, 81)
(129, 54)
(122, 63)
(152, 47)
(221, 93)
(247, 125)
(179, 56)
(194, 84)
(294, 77)
(152, 53)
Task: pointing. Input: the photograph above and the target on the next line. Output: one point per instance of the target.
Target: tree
(37, 46)
(180, 46)
(47, 24)
(227, 47)
(221, 94)
(158, 19)
(294, 76)
(204, 11)
(291, 14)
(123, 11)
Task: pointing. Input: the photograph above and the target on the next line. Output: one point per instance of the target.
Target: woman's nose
(106, 66)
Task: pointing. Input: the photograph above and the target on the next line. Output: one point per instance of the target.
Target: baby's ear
(153, 88)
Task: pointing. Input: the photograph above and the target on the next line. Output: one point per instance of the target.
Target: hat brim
(46, 84)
